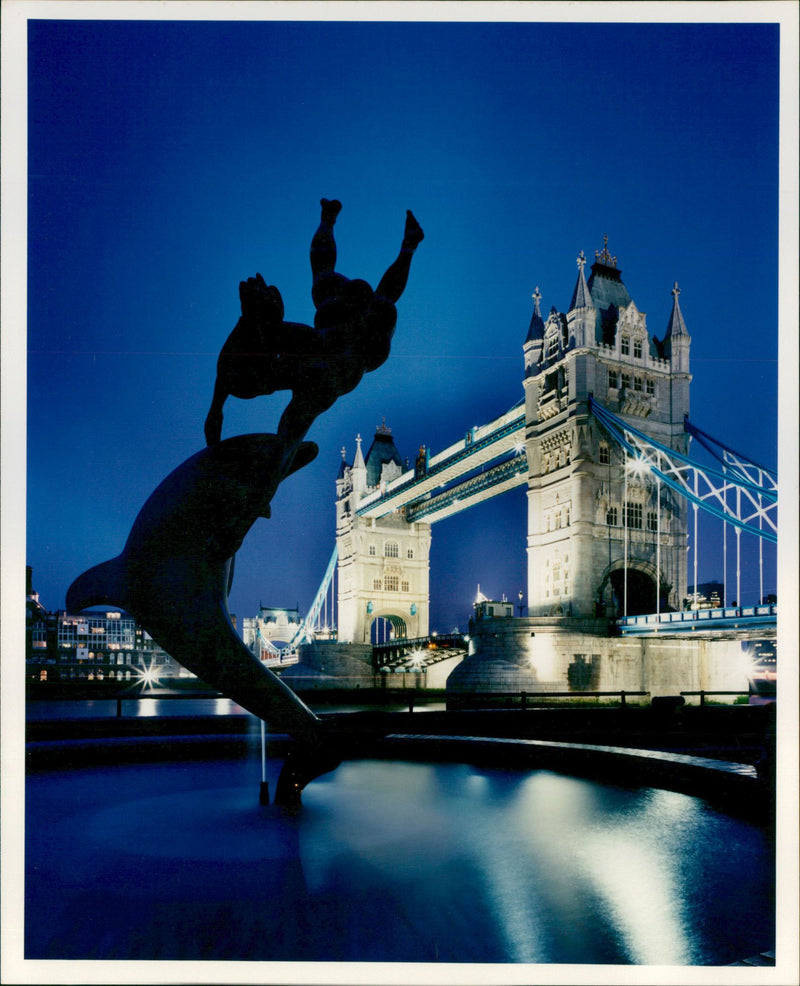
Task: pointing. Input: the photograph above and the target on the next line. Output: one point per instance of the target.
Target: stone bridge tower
(593, 526)
(383, 564)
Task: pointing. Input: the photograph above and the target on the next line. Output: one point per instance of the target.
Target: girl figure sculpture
(351, 335)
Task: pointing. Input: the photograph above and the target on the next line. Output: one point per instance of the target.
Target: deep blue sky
(169, 160)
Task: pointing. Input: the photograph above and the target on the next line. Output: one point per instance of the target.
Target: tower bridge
(600, 438)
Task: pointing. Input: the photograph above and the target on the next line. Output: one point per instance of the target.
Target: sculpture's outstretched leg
(394, 281)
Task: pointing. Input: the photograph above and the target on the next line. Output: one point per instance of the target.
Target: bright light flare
(148, 676)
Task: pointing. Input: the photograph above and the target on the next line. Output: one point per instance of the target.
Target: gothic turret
(581, 315)
(534, 341)
(676, 339)
(358, 470)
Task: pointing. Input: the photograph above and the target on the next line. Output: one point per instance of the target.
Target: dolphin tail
(102, 584)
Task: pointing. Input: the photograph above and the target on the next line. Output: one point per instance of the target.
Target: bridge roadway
(418, 652)
(481, 446)
(747, 622)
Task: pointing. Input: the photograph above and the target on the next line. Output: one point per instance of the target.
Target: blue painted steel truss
(733, 495)
(306, 629)
(734, 462)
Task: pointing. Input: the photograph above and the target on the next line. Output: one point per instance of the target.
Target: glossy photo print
(399, 417)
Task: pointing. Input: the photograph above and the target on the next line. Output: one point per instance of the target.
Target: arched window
(605, 455)
(372, 549)
(410, 553)
(391, 549)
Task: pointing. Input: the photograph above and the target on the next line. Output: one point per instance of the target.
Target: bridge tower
(601, 537)
(383, 563)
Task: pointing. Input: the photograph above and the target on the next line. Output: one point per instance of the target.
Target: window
(391, 583)
(377, 584)
(651, 386)
(410, 553)
(558, 519)
(652, 520)
(605, 455)
(391, 549)
(613, 379)
(634, 515)
(637, 348)
(625, 345)
(637, 383)
(626, 380)
(611, 517)
(552, 347)
(404, 586)
(372, 549)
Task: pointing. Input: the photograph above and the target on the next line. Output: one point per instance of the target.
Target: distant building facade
(273, 626)
(91, 646)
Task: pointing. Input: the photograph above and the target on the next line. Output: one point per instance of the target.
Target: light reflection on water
(47, 709)
(390, 861)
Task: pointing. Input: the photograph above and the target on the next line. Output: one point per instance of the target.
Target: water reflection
(388, 861)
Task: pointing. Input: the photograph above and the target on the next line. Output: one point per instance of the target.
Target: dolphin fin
(102, 584)
(306, 452)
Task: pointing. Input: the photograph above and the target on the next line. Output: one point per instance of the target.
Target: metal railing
(703, 694)
(694, 618)
(529, 699)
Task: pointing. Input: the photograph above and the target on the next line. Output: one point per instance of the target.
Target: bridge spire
(677, 338)
(536, 328)
(581, 298)
(359, 470)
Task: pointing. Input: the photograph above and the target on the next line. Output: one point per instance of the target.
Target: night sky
(169, 160)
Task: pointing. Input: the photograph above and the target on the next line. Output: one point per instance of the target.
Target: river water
(388, 861)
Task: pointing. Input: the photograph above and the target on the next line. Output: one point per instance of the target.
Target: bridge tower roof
(381, 451)
(605, 283)
(608, 293)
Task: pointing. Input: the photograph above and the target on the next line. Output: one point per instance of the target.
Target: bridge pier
(536, 654)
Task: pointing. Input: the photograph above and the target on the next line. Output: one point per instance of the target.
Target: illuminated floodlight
(416, 658)
(519, 448)
(638, 467)
(148, 676)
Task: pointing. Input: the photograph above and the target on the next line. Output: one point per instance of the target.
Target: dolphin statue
(173, 576)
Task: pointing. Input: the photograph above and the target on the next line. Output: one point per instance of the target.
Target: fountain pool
(387, 861)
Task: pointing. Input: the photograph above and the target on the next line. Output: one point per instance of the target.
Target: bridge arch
(385, 627)
(642, 578)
